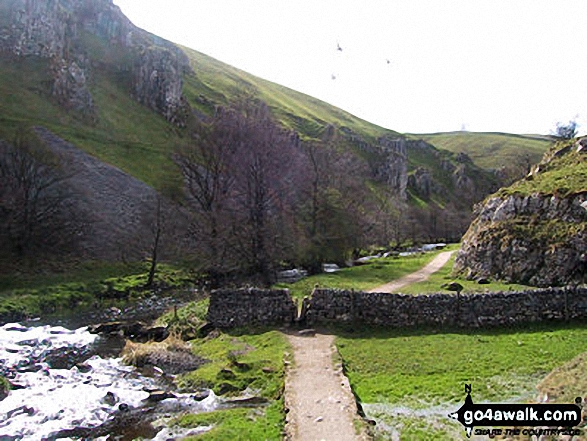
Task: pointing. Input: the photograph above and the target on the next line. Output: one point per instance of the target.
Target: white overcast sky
(417, 66)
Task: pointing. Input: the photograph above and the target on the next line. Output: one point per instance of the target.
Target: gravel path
(317, 394)
(417, 276)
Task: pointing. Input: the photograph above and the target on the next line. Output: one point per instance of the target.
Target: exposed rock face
(394, 167)
(71, 88)
(158, 81)
(539, 240)
(57, 30)
(422, 181)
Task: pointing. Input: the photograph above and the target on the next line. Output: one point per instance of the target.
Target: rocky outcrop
(158, 81)
(534, 232)
(538, 240)
(70, 86)
(59, 31)
(393, 169)
(421, 180)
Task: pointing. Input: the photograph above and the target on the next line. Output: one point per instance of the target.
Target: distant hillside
(81, 71)
(512, 155)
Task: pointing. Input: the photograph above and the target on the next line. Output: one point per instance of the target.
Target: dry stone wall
(236, 308)
(471, 310)
(251, 307)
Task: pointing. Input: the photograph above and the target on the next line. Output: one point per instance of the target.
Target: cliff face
(529, 234)
(60, 32)
(393, 161)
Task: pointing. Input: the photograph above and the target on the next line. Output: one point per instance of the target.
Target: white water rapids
(85, 395)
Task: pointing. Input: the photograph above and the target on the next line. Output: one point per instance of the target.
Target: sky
(414, 66)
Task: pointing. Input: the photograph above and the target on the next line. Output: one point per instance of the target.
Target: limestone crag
(70, 86)
(394, 168)
(422, 181)
(59, 31)
(538, 239)
(158, 81)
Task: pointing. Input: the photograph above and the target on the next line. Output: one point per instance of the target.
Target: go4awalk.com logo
(561, 417)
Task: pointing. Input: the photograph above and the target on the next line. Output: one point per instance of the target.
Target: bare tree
(205, 163)
(239, 170)
(264, 164)
(36, 207)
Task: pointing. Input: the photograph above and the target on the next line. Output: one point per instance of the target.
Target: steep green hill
(125, 133)
(215, 83)
(492, 150)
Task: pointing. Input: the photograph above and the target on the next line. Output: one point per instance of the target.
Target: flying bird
(338, 47)
(333, 77)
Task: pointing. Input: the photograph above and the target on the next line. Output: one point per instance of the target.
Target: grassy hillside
(125, 134)
(216, 83)
(133, 137)
(491, 150)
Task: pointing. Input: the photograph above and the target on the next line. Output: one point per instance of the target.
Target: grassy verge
(365, 277)
(186, 320)
(38, 297)
(412, 380)
(444, 275)
(239, 362)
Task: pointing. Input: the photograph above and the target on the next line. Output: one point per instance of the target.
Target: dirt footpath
(317, 394)
(417, 276)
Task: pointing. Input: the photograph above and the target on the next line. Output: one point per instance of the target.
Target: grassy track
(363, 278)
(444, 275)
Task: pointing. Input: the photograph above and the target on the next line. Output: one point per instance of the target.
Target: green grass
(81, 289)
(491, 150)
(561, 177)
(126, 134)
(365, 277)
(4, 385)
(219, 83)
(239, 424)
(425, 372)
(242, 361)
(186, 320)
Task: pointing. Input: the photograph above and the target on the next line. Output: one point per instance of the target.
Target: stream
(71, 384)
